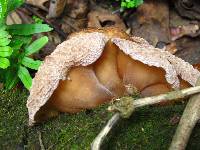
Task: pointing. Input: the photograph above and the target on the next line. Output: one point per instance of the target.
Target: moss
(13, 117)
(148, 128)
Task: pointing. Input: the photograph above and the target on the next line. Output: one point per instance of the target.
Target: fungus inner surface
(89, 86)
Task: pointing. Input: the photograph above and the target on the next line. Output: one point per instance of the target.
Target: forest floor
(164, 24)
(148, 128)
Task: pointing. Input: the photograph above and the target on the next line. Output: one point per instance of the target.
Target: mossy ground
(149, 127)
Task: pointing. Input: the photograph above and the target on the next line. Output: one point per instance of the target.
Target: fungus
(95, 65)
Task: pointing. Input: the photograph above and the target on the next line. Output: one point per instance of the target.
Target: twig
(190, 117)
(96, 144)
(188, 120)
(40, 141)
(126, 106)
(59, 31)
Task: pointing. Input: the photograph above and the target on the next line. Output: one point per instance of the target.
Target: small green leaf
(4, 63)
(2, 27)
(139, 2)
(7, 6)
(4, 34)
(3, 8)
(123, 4)
(16, 44)
(30, 63)
(130, 3)
(13, 4)
(25, 77)
(28, 29)
(37, 20)
(5, 51)
(4, 41)
(11, 79)
(36, 45)
(24, 39)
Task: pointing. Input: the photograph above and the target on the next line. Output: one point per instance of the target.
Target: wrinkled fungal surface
(96, 65)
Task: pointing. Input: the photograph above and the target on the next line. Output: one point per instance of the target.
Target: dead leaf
(38, 3)
(13, 18)
(56, 8)
(70, 25)
(176, 20)
(180, 26)
(76, 16)
(77, 8)
(104, 18)
(189, 49)
(188, 8)
(171, 48)
(186, 30)
(25, 16)
(151, 21)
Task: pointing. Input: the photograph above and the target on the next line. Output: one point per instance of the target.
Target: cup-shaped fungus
(95, 65)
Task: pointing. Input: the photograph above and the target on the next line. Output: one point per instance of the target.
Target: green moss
(148, 128)
(13, 117)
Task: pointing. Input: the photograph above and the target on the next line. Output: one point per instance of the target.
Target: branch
(40, 141)
(126, 105)
(96, 144)
(190, 117)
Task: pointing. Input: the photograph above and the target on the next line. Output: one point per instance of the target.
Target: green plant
(130, 3)
(37, 20)
(16, 47)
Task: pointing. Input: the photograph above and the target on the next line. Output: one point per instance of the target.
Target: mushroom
(94, 66)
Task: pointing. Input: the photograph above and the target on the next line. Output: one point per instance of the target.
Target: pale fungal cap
(149, 56)
(81, 49)
(85, 48)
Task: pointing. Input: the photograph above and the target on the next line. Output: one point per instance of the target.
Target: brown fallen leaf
(56, 8)
(185, 30)
(188, 8)
(151, 21)
(104, 18)
(93, 66)
(171, 48)
(176, 20)
(70, 25)
(25, 16)
(13, 18)
(39, 4)
(76, 16)
(180, 26)
(188, 49)
(77, 8)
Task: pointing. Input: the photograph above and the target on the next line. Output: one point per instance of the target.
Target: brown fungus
(95, 65)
